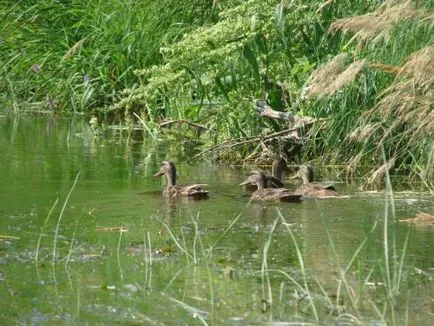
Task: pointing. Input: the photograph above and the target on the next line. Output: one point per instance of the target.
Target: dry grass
(405, 109)
(334, 75)
(410, 98)
(415, 110)
(420, 66)
(386, 68)
(380, 22)
(351, 168)
(376, 177)
(324, 5)
(71, 51)
(402, 120)
(362, 133)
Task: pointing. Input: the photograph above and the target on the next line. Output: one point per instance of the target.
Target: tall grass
(159, 65)
(38, 246)
(375, 112)
(56, 233)
(77, 56)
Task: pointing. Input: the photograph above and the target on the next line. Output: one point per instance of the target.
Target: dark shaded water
(179, 262)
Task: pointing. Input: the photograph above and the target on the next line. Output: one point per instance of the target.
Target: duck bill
(244, 183)
(295, 176)
(158, 174)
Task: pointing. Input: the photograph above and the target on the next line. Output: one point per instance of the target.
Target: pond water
(110, 249)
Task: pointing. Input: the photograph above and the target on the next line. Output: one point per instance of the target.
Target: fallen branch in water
(297, 125)
(265, 110)
(227, 145)
(296, 122)
(183, 121)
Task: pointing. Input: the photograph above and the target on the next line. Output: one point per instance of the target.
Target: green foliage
(253, 46)
(359, 126)
(255, 50)
(78, 55)
(207, 62)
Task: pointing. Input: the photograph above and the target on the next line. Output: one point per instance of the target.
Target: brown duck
(310, 188)
(269, 194)
(421, 218)
(172, 190)
(273, 180)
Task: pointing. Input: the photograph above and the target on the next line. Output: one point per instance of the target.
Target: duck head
(305, 173)
(256, 177)
(167, 168)
(278, 167)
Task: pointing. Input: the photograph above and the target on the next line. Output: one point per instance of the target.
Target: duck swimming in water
(269, 194)
(168, 169)
(309, 188)
(421, 218)
(273, 180)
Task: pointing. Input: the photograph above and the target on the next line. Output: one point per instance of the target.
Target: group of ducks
(262, 186)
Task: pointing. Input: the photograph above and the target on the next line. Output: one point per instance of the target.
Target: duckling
(310, 188)
(273, 180)
(275, 194)
(172, 190)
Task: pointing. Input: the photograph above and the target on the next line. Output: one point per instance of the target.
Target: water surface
(117, 252)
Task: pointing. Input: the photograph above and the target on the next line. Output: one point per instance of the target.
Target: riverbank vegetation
(360, 71)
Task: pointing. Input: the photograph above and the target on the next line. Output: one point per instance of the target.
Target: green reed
(78, 56)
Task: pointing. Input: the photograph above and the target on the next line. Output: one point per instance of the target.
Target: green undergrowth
(193, 70)
(77, 56)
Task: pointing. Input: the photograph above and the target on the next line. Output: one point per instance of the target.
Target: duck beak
(244, 183)
(295, 176)
(158, 174)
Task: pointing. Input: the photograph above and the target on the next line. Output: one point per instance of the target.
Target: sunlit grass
(77, 57)
(144, 63)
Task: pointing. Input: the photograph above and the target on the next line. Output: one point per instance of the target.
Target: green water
(180, 262)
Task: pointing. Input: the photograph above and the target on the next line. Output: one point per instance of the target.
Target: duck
(277, 169)
(273, 180)
(421, 218)
(195, 191)
(309, 188)
(268, 194)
